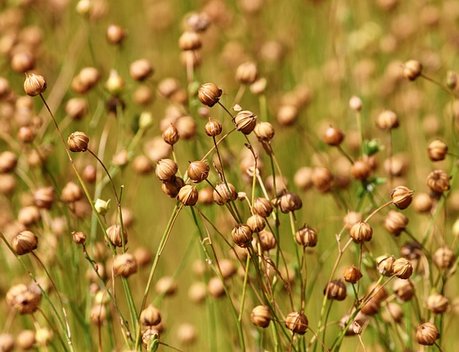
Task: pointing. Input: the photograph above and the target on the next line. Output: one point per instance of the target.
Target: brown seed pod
(115, 34)
(395, 222)
(6, 342)
(24, 242)
(371, 306)
(355, 103)
(88, 77)
(306, 236)
(224, 192)
(262, 207)
(43, 197)
(242, 235)
(8, 161)
(142, 165)
(427, 334)
(422, 203)
(404, 289)
(216, 287)
(361, 232)
(260, 316)
(264, 131)
(336, 289)
(303, 178)
(198, 170)
(437, 150)
(297, 322)
(166, 286)
(385, 265)
(142, 95)
(352, 274)
(140, 69)
(26, 134)
(287, 115)
(361, 169)
(190, 40)
(438, 181)
(256, 223)
(206, 196)
(333, 136)
(115, 235)
(209, 94)
(213, 128)
(78, 142)
(267, 240)
(393, 313)
(7, 184)
(188, 195)
(171, 135)
(71, 193)
(247, 73)
(437, 303)
(412, 69)
(25, 340)
(387, 120)
(76, 108)
(401, 197)
(245, 121)
(124, 265)
(78, 237)
(444, 258)
(402, 268)
(227, 268)
(322, 179)
(98, 314)
(34, 84)
(289, 202)
(166, 169)
(24, 299)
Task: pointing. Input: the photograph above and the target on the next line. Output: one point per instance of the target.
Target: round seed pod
(262, 207)
(71, 193)
(142, 165)
(385, 265)
(227, 268)
(198, 170)
(34, 84)
(336, 289)
(393, 313)
(190, 40)
(333, 136)
(387, 120)
(411, 250)
(444, 258)
(377, 291)
(166, 286)
(287, 115)
(245, 121)
(171, 135)
(7, 184)
(247, 73)
(267, 240)
(206, 196)
(242, 235)
(355, 103)
(216, 287)
(371, 306)
(186, 127)
(352, 218)
(438, 181)
(264, 131)
(25, 340)
(98, 314)
(213, 128)
(306, 236)
(297, 322)
(142, 95)
(115, 236)
(412, 69)
(404, 289)
(353, 328)
(172, 186)
(427, 334)
(76, 108)
(322, 179)
(6, 342)
(24, 242)
(224, 193)
(403, 268)
(360, 170)
(78, 142)
(395, 222)
(28, 216)
(78, 237)
(361, 232)
(140, 69)
(186, 334)
(437, 150)
(256, 223)
(303, 178)
(188, 195)
(437, 303)
(115, 34)
(43, 197)
(8, 161)
(43, 336)
(24, 299)
(26, 134)
(197, 292)
(89, 77)
(124, 265)
(289, 202)
(166, 169)
(260, 316)
(352, 274)
(422, 203)
(115, 85)
(401, 197)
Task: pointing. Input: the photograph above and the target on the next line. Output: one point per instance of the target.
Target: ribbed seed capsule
(124, 265)
(188, 195)
(437, 303)
(336, 290)
(242, 235)
(437, 150)
(401, 197)
(256, 223)
(166, 169)
(395, 222)
(213, 128)
(427, 334)
(260, 316)
(245, 121)
(198, 171)
(78, 142)
(150, 316)
(297, 323)
(209, 94)
(306, 237)
(361, 232)
(24, 242)
(262, 207)
(224, 192)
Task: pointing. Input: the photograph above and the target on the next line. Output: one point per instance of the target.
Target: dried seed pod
(451, 80)
(186, 127)
(395, 222)
(287, 115)
(355, 103)
(427, 334)
(404, 289)
(385, 265)
(444, 258)
(209, 94)
(206, 196)
(124, 265)
(197, 292)
(166, 169)
(361, 169)
(198, 170)
(43, 336)
(213, 128)
(216, 287)
(262, 207)
(78, 237)
(256, 223)
(190, 40)
(89, 77)
(140, 69)
(303, 178)
(6, 342)
(361, 232)
(422, 203)
(289, 202)
(333, 136)
(402, 268)
(242, 235)
(116, 237)
(322, 179)
(76, 108)
(438, 181)
(172, 186)
(387, 120)
(24, 242)
(188, 195)
(306, 236)
(71, 192)
(115, 34)
(267, 240)
(336, 289)
(437, 150)
(412, 69)
(352, 218)
(78, 142)
(43, 197)
(371, 306)
(245, 121)
(352, 274)
(142, 165)
(25, 340)
(34, 84)
(401, 197)
(260, 316)
(353, 328)
(166, 286)
(437, 303)
(186, 334)
(247, 73)
(297, 322)
(224, 192)
(8, 161)
(411, 250)
(264, 131)
(24, 299)
(98, 314)
(171, 135)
